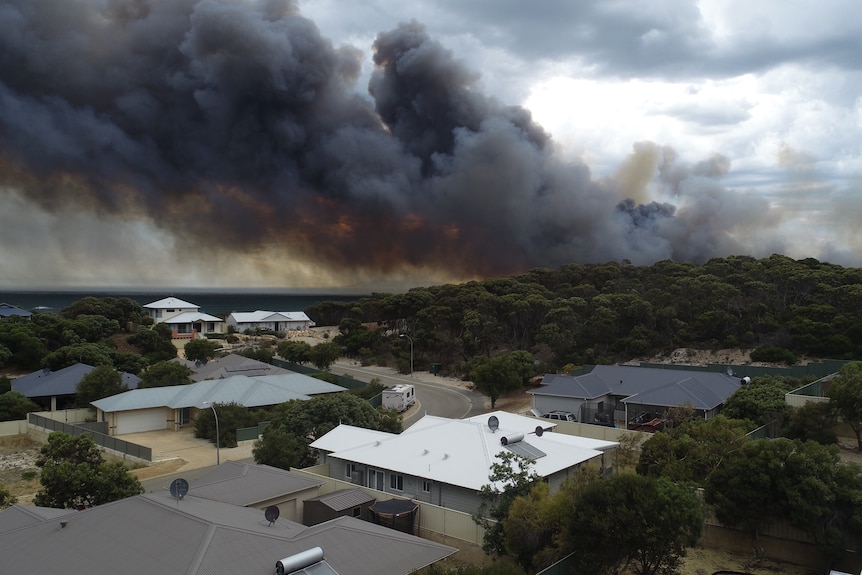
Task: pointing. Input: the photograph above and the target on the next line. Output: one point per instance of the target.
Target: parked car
(561, 416)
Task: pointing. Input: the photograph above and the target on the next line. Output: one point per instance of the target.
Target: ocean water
(211, 302)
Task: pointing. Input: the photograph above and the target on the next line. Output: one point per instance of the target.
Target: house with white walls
(185, 319)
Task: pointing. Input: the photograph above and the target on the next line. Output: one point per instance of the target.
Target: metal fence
(247, 433)
(343, 381)
(100, 439)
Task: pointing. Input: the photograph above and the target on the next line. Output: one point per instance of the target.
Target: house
(174, 406)
(268, 320)
(624, 393)
(7, 310)
(447, 461)
(230, 365)
(257, 486)
(55, 390)
(185, 319)
(156, 533)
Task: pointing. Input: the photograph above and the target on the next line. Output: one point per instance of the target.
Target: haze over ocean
(211, 302)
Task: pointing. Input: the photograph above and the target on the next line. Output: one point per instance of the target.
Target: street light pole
(411, 351)
(218, 454)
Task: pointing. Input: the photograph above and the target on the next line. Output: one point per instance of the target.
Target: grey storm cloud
(237, 125)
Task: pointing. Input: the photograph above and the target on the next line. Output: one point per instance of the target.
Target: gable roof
(170, 303)
(9, 310)
(191, 317)
(231, 364)
(154, 533)
(247, 391)
(268, 316)
(248, 484)
(461, 451)
(45, 383)
(705, 390)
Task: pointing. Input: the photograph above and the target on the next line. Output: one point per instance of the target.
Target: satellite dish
(271, 514)
(539, 431)
(179, 488)
(493, 423)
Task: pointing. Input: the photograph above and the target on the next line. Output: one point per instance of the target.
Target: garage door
(141, 420)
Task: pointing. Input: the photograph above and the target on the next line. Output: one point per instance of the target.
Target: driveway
(183, 445)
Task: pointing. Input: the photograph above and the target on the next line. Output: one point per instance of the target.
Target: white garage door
(141, 420)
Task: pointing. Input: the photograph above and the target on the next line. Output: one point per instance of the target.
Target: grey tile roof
(232, 364)
(45, 383)
(154, 533)
(249, 484)
(650, 386)
(343, 499)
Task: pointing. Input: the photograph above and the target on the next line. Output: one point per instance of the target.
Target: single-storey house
(230, 365)
(156, 533)
(447, 461)
(55, 390)
(174, 406)
(185, 319)
(624, 393)
(8, 310)
(269, 320)
(257, 486)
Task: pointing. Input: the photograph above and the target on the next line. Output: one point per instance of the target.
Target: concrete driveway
(171, 445)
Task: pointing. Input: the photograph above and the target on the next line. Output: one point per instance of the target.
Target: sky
(327, 143)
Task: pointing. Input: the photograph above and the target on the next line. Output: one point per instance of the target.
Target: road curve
(434, 397)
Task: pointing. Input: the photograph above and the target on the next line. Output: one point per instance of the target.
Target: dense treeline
(588, 314)
(83, 332)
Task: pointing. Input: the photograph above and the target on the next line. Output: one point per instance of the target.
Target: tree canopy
(633, 521)
(693, 451)
(845, 395)
(76, 476)
(804, 483)
(15, 406)
(295, 424)
(200, 349)
(104, 381)
(165, 373)
(502, 373)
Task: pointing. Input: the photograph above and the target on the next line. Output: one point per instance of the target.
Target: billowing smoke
(234, 127)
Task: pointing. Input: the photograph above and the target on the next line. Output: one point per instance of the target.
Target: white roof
(191, 317)
(171, 303)
(261, 316)
(459, 451)
(247, 391)
(348, 437)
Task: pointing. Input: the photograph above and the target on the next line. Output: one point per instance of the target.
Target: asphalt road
(434, 397)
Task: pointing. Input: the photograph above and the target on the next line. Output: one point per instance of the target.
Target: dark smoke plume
(236, 127)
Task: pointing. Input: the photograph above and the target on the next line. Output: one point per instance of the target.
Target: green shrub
(774, 355)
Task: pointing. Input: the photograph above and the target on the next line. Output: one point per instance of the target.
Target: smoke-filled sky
(324, 143)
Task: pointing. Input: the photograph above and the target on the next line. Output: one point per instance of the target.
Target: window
(396, 482)
(426, 486)
(158, 313)
(357, 511)
(349, 469)
(210, 326)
